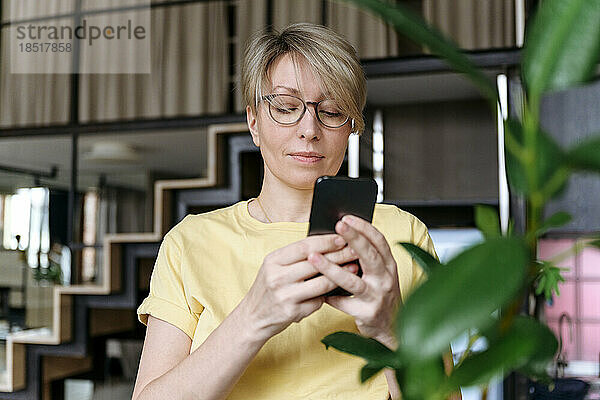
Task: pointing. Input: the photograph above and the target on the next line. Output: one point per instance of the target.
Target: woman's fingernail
(315, 258)
(353, 268)
(352, 251)
(340, 241)
(347, 219)
(342, 226)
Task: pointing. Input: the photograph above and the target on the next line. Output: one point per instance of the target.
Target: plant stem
(535, 200)
(472, 339)
(512, 145)
(557, 179)
(484, 393)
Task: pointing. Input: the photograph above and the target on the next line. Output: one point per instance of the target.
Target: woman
(228, 284)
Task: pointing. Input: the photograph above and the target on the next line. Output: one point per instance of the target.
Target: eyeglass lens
(287, 109)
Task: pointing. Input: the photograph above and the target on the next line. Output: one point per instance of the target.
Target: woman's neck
(282, 203)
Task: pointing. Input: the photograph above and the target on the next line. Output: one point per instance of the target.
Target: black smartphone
(336, 196)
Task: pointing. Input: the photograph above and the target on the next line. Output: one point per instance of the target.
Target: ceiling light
(112, 152)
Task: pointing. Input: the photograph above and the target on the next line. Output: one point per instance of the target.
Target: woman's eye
(286, 110)
(331, 114)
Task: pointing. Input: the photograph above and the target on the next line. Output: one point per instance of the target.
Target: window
(25, 214)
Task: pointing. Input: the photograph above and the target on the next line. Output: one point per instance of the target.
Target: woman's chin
(306, 182)
(303, 178)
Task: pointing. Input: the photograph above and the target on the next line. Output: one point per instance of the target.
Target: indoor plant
(482, 289)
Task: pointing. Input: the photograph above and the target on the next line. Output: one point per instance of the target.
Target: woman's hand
(282, 293)
(376, 295)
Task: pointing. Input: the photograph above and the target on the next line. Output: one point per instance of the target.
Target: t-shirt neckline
(256, 224)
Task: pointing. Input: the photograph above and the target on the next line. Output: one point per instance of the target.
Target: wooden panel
(145, 267)
(571, 116)
(39, 305)
(220, 153)
(18, 366)
(115, 267)
(107, 321)
(440, 151)
(62, 367)
(66, 317)
(166, 211)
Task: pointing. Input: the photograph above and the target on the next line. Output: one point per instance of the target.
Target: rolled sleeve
(167, 300)
(422, 239)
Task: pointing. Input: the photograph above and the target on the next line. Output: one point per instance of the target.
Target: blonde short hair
(330, 56)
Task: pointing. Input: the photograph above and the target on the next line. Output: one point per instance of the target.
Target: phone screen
(336, 196)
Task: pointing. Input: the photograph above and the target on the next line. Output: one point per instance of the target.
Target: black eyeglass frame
(315, 105)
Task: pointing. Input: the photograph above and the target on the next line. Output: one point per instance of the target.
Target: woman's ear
(253, 125)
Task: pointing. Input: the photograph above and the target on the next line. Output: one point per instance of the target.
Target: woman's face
(279, 142)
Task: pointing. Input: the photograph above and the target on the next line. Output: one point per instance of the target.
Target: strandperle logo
(96, 37)
(87, 32)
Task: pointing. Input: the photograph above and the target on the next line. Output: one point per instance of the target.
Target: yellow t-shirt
(206, 265)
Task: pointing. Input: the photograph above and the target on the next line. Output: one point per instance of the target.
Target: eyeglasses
(286, 109)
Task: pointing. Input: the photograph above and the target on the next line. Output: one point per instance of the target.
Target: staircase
(36, 357)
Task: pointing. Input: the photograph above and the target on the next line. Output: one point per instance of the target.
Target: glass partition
(116, 176)
(34, 256)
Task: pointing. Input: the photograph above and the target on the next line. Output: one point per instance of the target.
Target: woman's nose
(309, 126)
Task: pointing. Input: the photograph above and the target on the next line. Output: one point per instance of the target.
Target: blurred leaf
(422, 379)
(548, 278)
(367, 348)
(547, 345)
(515, 168)
(425, 260)
(511, 228)
(492, 329)
(461, 296)
(486, 220)
(594, 243)
(556, 220)
(585, 156)
(411, 25)
(368, 371)
(527, 344)
(400, 378)
(542, 377)
(548, 159)
(562, 45)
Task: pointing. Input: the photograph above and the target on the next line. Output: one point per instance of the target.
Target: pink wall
(579, 297)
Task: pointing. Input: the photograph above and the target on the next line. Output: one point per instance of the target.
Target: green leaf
(527, 345)
(368, 370)
(425, 260)
(562, 45)
(547, 345)
(460, 296)
(516, 170)
(585, 156)
(556, 220)
(511, 227)
(545, 163)
(422, 379)
(540, 377)
(547, 279)
(492, 329)
(367, 348)
(486, 220)
(594, 243)
(416, 29)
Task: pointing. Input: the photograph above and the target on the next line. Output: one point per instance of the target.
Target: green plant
(482, 289)
(52, 273)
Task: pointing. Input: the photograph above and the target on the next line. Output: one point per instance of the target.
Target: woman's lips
(306, 160)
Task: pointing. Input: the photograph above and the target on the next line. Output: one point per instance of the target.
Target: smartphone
(336, 196)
